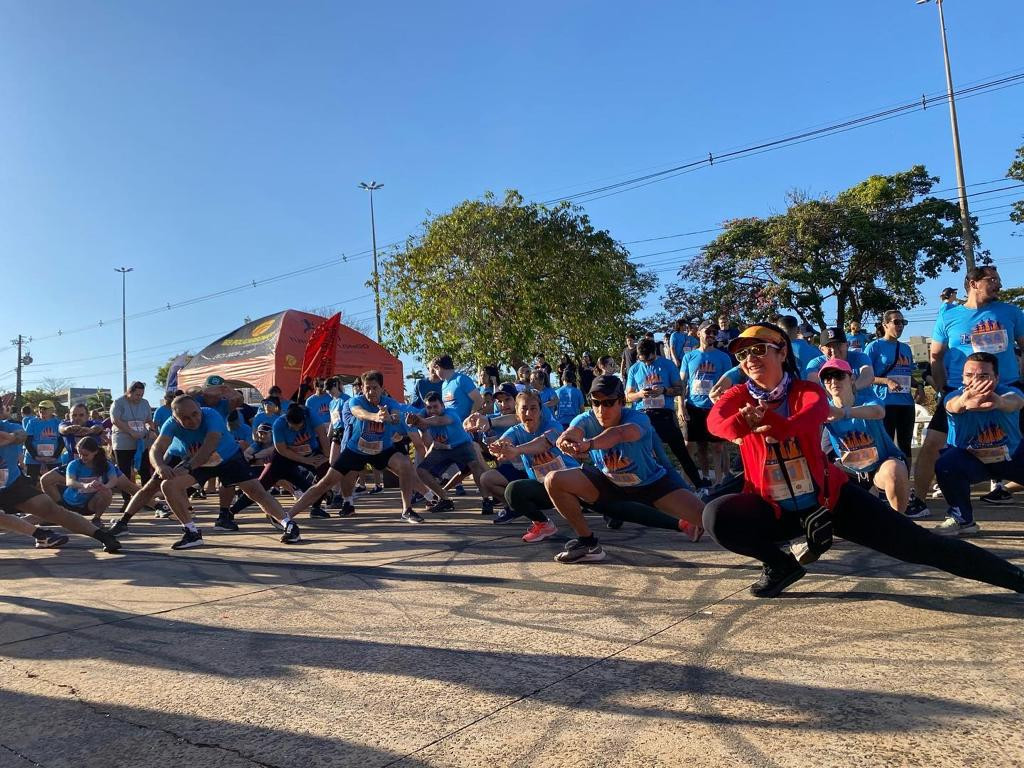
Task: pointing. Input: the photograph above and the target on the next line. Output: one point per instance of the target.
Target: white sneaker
(953, 527)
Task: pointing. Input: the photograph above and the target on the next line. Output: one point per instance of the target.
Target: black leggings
(664, 422)
(125, 461)
(746, 524)
(899, 424)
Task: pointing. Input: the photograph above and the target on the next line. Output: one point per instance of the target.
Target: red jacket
(808, 411)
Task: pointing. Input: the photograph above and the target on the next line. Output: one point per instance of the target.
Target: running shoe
(360, 488)
(225, 522)
(441, 505)
(997, 495)
(612, 522)
(376, 489)
(774, 580)
(916, 509)
(487, 506)
(119, 527)
(953, 526)
(577, 552)
(161, 511)
(693, 532)
(338, 502)
(53, 539)
(189, 540)
(540, 531)
(276, 523)
(291, 533)
(460, 490)
(411, 516)
(505, 516)
(935, 493)
(107, 539)
(319, 512)
(347, 509)
(275, 491)
(418, 498)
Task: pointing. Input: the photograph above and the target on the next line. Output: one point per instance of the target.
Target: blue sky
(210, 144)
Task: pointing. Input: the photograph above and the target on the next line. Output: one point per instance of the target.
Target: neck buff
(770, 395)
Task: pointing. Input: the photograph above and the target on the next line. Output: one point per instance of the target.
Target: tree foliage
(500, 281)
(866, 250)
(1016, 172)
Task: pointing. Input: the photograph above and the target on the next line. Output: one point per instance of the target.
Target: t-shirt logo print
(620, 469)
(987, 336)
(990, 444)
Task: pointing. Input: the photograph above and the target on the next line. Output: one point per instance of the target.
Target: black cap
(947, 292)
(833, 335)
(507, 389)
(608, 386)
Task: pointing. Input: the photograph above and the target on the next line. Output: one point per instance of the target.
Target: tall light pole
(965, 214)
(373, 185)
(124, 329)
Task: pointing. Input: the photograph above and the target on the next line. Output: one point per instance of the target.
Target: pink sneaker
(693, 532)
(540, 531)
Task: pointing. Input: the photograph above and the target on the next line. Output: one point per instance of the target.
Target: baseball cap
(214, 381)
(836, 364)
(608, 386)
(947, 293)
(48, 404)
(705, 325)
(757, 334)
(507, 389)
(833, 335)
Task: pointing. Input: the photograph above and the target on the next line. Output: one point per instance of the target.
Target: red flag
(318, 360)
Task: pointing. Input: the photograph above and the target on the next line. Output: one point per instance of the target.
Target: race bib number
(370, 447)
(3, 477)
(214, 460)
(45, 450)
(701, 387)
(651, 403)
(302, 449)
(903, 381)
(990, 341)
(799, 476)
(991, 455)
(624, 479)
(137, 426)
(860, 459)
(555, 464)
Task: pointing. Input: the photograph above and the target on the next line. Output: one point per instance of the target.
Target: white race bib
(552, 464)
(990, 341)
(3, 477)
(862, 458)
(991, 455)
(370, 447)
(302, 449)
(137, 426)
(214, 460)
(799, 476)
(903, 381)
(45, 450)
(654, 402)
(701, 387)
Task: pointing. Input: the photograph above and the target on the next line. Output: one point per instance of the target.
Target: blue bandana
(775, 395)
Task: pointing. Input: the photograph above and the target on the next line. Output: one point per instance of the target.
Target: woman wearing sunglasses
(778, 420)
(893, 364)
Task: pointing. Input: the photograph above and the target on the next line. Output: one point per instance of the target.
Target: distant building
(79, 395)
(919, 346)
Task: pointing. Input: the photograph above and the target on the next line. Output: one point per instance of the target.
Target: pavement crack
(24, 757)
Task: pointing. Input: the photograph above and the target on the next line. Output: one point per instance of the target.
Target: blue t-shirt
(570, 403)
(9, 455)
(456, 394)
(45, 434)
(857, 341)
(804, 352)
(682, 343)
(857, 360)
(703, 370)
(423, 388)
(370, 437)
(447, 435)
(263, 418)
(71, 441)
(992, 328)
(161, 414)
(546, 395)
(541, 464)
(735, 375)
(302, 440)
(627, 464)
(882, 353)
(862, 444)
(193, 438)
(242, 431)
(991, 436)
(223, 406)
(319, 408)
(660, 373)
(335, 410)
(84, 473)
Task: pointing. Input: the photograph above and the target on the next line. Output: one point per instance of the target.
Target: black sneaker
(612, 522)
(999, 496)
(442, 505)
(577, 552)
(189, 540)
(376, 489)
(347, 509)
(916, 509)
(53, 539)
(412, 516)
(107, 539)
(418, 498)
(505, 516)
(319, 512)
(337, 503)
(487, 506)
(291, 533)
(774, 580)
(225, 522)
(460, 490)
(360, 488)
(118, 528)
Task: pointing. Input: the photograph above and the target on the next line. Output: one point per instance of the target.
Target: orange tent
(269, 351)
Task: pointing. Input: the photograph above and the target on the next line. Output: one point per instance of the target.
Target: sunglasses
(898, 322)
(755, 350)
(604, 403)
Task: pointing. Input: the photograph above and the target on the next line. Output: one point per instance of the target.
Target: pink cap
(837, 364)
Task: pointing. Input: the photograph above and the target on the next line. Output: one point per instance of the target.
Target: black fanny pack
(817, 523)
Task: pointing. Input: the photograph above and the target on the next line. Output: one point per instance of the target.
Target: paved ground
(376, 643)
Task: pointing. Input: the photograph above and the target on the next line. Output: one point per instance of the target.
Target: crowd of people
(777, 434)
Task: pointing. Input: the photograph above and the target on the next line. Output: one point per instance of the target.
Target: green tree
(867, 250)
(1016, 172)
(499, 281)
(160, 378)
(100, 399)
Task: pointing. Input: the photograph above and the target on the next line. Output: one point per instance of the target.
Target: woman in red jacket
(777, 417)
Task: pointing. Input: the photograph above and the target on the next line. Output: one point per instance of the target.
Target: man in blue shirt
(211, 453)
(570, 399)
(319, 403)
(984, 437)
(700, 373)
(44, 445)
(834, 342)
(857, 338)
(619, 442)
(460, 393)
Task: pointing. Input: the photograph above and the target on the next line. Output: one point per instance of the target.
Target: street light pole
(373, 185)
(965, 214)
(124, 329)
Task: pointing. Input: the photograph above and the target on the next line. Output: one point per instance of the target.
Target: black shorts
(82, 509)
(697, 426)
(438, 460)
(230, 471)
(18, 492)
(609, 493)
(511, 472)
(354, 461)
(940, 420)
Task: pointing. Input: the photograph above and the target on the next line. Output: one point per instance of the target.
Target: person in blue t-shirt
(72, 429)
(540, 382)
(163, 413)
(211, 453)
(619, 441)
(856, 431)
(90, 479)
(271, 409)
(701, 371)
(459, 392)
(570, 399)
(680, 342)
(857, 338)
(532, 443)
(893, 365)
(371, 441)
(44, 445)
(319, 403)
(984, 440)
(834, 344)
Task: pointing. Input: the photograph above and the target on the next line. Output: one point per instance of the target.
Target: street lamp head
(923, 2)
(373, 185)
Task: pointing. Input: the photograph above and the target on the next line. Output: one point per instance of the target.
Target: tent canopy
(269, 351)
